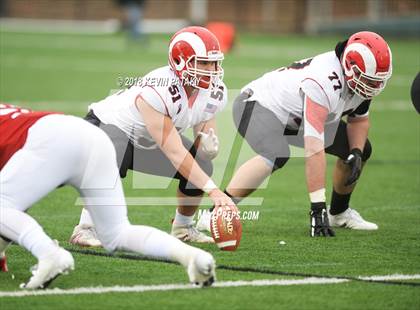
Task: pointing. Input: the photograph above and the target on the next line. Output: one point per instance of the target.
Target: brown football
(226, 227)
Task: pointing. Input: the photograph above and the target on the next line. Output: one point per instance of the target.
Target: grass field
(67, 72)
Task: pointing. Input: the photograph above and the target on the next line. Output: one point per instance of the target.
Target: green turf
(66, 72)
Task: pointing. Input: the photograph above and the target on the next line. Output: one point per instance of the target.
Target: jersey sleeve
(218, 99)
(224, 100)
(323, 81)
(314, 90)
(314, 117)
(362, 110)
(156, 97)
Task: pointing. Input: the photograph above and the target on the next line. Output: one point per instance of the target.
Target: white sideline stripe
(392, 277)
(167, 287)
(171, 287)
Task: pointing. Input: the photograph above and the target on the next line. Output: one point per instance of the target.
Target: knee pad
(278, 156)
(207, 166)
(367, 151)
(189, 189)
(279, 162)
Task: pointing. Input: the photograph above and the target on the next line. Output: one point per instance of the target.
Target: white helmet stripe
(192, 39)
(368, 58)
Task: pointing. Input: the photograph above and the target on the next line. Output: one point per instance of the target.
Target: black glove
(320, 225)
(354, 160)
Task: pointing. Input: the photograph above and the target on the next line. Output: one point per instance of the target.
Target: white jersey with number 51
(163, 90)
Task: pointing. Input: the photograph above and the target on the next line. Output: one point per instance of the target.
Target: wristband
(317, 196)
(209, 186)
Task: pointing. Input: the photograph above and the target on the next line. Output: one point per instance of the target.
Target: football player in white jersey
(33, 148)
(303, 105)
(146, 122)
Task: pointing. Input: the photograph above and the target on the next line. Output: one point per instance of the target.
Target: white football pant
(62, 149)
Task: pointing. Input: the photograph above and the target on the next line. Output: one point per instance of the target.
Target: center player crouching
(40, 151)
(136, 119)
(303, 105)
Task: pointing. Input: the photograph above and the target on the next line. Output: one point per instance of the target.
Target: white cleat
(203, 222)
(85, 235)
(350, 219)
(49, 268)
(201, 269)
(189, 233)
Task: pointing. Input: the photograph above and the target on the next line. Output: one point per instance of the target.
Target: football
(226, 227)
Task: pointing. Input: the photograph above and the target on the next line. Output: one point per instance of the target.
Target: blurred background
(64, 54)
(398, 17)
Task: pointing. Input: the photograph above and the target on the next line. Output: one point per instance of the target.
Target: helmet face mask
(196, 58)
(366, 86)
(200, 75)
(367, 64)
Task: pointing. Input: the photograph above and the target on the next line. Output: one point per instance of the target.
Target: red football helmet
(190, 48)
(367, 63)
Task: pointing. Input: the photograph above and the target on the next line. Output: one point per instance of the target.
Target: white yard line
(167, 287)
(391, 277)
(171, 287)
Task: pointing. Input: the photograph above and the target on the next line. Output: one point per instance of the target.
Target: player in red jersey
(40, 151)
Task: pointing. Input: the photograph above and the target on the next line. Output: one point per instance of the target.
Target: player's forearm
(315, 171)
(185, 164)
(315, 163)
(357, 132)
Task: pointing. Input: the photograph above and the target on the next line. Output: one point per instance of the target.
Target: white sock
(85, 219)
(154, 243)
(183, 219)
(24, 230)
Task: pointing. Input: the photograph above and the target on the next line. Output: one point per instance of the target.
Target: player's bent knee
(113, 239)
(189, 189)
(206, 166)
(279, 162)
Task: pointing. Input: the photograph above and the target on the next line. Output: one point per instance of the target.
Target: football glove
(320, 225)
(354, 160)
(209, 144)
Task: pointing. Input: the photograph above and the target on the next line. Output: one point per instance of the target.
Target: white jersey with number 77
(320, 78)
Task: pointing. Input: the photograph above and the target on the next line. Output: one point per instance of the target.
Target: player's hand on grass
(354, 160)
(320, 226)
(220, 199)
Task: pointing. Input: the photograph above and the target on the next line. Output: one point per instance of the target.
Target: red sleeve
(316, 114)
